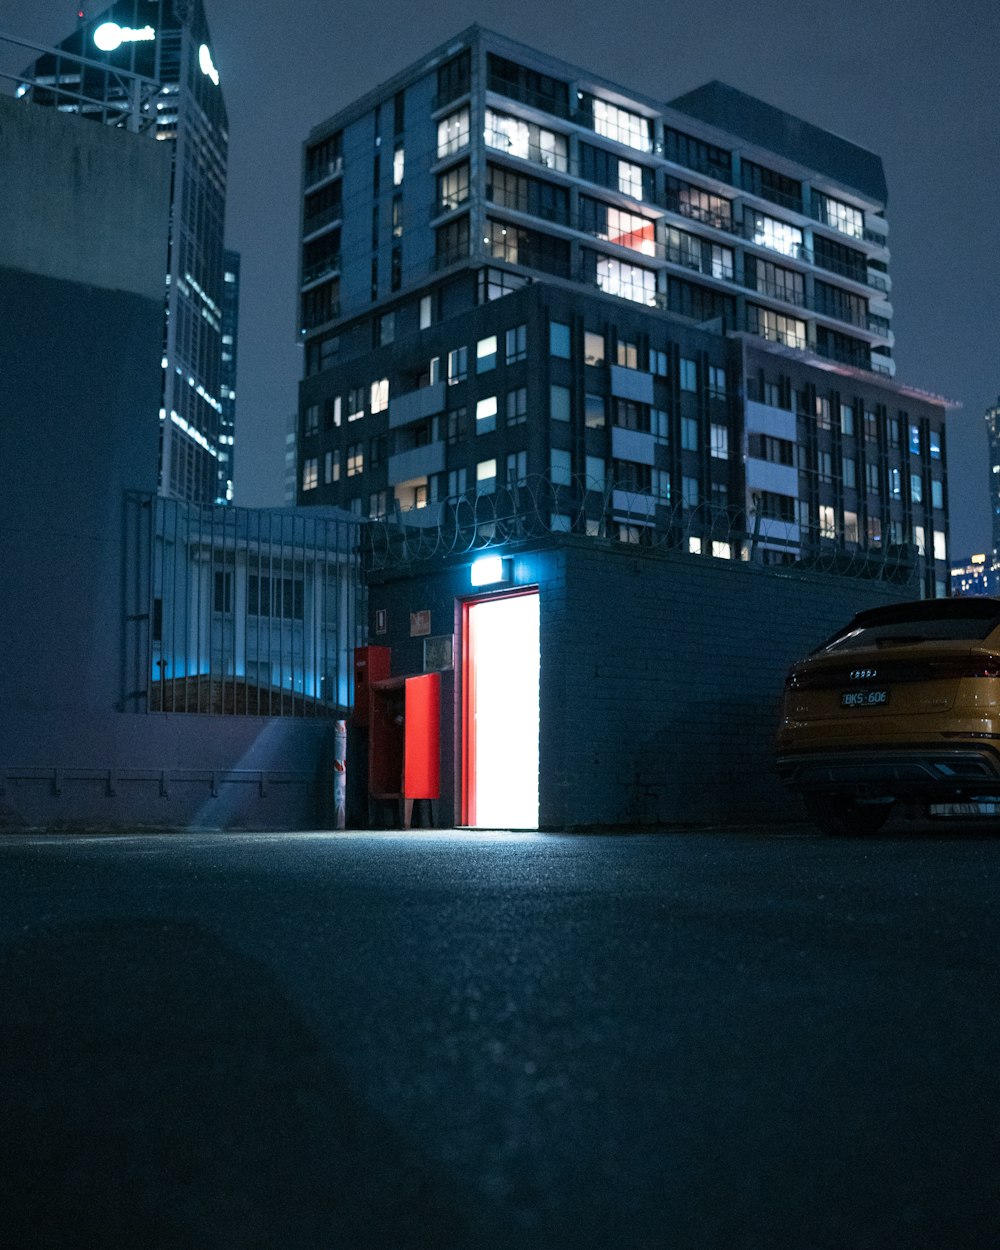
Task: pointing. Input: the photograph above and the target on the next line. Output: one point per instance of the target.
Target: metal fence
(240, 611)
(538, 507)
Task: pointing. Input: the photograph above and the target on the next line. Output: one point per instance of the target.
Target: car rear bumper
(932, 772)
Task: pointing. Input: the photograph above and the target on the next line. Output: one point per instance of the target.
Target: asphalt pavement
(446, 1039)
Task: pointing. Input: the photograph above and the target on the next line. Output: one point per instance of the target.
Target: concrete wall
(660, 675)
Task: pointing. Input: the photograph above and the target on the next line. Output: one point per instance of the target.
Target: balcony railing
(718, 221)
(320, 268)
(325, 217)
(321, 170)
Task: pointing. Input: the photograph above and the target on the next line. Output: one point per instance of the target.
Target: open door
(500, 712)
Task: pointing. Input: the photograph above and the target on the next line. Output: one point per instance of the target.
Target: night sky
(914, 80)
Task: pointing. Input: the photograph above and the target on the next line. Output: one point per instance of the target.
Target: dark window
(321, 304)
(684, 149)
(834, 301)
(524, 194)
(842, 348)
(602, 167)
(839, 258)
(452, 241)
(770, 185)
(324, 158)
(691, 300)
(527, 85)
(398, 113)
(518, 246)
(321, 256)
(322, 207)
(452, 80)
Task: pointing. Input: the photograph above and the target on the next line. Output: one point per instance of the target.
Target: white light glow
(207, 65)
(487, 570)
(506, 665)
(109, 36)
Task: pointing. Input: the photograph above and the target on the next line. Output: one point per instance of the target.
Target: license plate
(864, 698)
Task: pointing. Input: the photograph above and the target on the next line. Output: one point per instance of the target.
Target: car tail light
(970, 666)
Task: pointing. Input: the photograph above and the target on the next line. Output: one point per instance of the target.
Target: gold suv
(901, 705)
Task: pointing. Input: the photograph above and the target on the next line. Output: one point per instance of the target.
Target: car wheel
(841, 817)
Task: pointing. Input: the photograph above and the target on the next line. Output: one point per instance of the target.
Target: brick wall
(661, 675)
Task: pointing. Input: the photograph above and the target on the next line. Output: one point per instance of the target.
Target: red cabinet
(404, 740)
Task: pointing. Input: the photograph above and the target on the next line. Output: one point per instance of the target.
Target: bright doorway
(500, 712)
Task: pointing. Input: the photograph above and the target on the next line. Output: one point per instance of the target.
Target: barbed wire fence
(538, 508)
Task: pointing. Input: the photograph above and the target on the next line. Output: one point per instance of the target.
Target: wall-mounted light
(489, 571)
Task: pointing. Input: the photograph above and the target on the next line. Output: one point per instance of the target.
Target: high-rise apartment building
(993, 437)
(515, 270)
(168, 43)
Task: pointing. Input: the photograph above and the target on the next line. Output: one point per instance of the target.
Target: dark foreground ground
(735, 1040)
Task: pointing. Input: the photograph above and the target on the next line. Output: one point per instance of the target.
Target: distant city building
(676, 315)
(227, 378)
(993, 435)
(168, 42)
(288, 492)
(977, 576)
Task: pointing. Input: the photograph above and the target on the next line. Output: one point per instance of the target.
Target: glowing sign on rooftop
(109, 35)
(207, 64)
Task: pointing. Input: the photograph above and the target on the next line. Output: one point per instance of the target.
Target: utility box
(404, 741)
(371, 664)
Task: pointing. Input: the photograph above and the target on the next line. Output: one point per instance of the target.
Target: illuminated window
(846, 420)
(624, 127)
(689, 375)
(355, 403)
(526, 140)
(426, 311)
(486, 474)
(722, 262)
(331, 467)
(355, 459)
(850, 527)
(310, 473)
(895, 484)
(827, 521)
(824, 419)
(378, 505)
(776, 235)
(776, 327)
(916, 488)
(453, 133)
(630, 230)
(629, 281)
(486, 414)
(397, 167)
(380, 395)
(937, 493)
(486, 354)
(940, 546)
(720, 442)
(721, 550)
(843, 217)
(630, 179)
(627, 354)
(593, 348)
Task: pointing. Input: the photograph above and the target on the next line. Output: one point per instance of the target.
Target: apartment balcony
(320, 221)
(322, 172)
(416, 405)
(320, 269)
(418, 462)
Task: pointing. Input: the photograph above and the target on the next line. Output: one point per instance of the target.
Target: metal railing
(239, 611)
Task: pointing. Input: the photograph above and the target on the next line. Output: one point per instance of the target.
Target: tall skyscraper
(168, 42)
(993, 436)
(513, 269)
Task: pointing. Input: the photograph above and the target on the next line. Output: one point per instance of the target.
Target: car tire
(841, 817)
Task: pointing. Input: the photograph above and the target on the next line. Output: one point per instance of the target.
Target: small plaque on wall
(420, 623)
(438, 653)
(381, 625)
